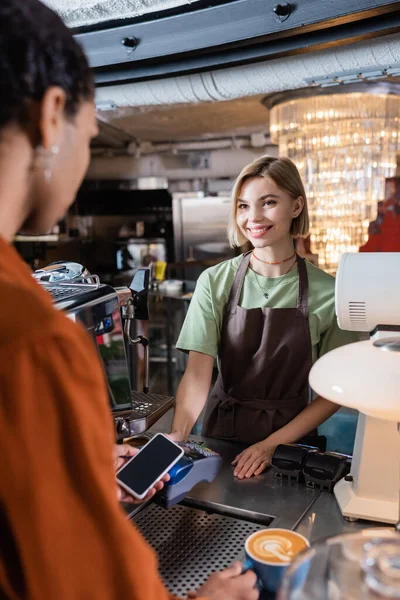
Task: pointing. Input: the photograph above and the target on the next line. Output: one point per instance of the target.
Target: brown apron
(265, 359)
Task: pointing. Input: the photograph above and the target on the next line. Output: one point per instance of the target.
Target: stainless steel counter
(262, 499)
(209, 530)
(324, 519)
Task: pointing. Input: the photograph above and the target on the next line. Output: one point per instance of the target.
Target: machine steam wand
(140, 339)
(136, 307)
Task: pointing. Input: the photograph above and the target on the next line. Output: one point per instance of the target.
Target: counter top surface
(324, 519)
(186, 296)
(269, 501)
(190, 544)
(263, 499)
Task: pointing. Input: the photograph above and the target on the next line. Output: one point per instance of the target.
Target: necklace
(279, 262)
(266, 294)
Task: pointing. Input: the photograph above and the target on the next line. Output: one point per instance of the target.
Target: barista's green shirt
(201, 330)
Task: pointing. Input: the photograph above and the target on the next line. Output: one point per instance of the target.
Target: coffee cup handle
(247, 565)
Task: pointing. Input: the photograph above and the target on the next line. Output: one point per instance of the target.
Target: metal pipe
(140, 339)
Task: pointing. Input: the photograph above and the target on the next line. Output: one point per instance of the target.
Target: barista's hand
(176, 436)
(253, 460)
(229, 584)
(122, 453)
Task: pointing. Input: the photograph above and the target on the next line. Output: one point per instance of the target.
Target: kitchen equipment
(200, 230)
(171, 286)
(134, 253)
(143, 411)
(322, 470)
(288, 461)
(71, 272)
(107, 314)
(360, 566)
(198, 464)
(191, 543)
(298, 462)
(366, 376)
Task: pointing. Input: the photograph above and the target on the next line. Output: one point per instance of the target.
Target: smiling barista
(266, 316)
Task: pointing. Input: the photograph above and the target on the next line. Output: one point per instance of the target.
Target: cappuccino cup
(269, 552)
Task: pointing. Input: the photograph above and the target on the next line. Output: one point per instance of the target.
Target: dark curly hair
(38, 51)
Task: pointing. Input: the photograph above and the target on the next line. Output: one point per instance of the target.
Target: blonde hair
(285, 175)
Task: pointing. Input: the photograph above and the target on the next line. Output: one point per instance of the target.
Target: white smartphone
(151, 463)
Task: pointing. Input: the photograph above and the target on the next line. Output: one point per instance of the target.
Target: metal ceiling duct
(271, 76)
(78, 13)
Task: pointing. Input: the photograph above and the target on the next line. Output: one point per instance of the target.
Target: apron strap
(237, 285)
(302, 299)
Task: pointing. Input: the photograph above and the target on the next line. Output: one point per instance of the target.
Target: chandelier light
(344, 145)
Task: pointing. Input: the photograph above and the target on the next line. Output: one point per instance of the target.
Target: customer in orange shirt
(62, 533)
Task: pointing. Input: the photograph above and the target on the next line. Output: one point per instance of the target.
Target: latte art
(276, 546)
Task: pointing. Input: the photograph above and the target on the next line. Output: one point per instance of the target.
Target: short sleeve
(200, 330)
(334, 337)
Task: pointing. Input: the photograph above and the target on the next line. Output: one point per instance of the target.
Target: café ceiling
(158, 124)
(78, 13)
(135, 118)
(206, 120)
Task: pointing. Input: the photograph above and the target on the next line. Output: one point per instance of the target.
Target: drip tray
(145, 410)
(191, 543)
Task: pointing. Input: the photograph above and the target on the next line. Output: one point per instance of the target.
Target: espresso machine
(109, 315)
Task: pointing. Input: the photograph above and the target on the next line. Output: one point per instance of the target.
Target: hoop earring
(47, 157)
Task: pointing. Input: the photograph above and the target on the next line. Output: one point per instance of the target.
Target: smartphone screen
(154, 460)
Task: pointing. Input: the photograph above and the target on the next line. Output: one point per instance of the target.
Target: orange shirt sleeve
(64, 535)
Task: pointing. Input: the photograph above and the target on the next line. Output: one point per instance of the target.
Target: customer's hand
(254, 460)
(122, 453)
(229, 584)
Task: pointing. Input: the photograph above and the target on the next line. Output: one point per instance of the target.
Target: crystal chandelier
(344, 145)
